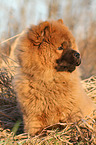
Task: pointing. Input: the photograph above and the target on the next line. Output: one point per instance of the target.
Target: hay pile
(82, 132)
(9, 112)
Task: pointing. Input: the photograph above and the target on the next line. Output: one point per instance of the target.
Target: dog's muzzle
(68, 61)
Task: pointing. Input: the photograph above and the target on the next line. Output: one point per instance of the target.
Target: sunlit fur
(45, 95)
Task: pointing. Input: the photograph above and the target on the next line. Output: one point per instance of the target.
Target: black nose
(77, 55)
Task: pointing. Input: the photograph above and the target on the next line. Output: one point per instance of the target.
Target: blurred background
(79, 16)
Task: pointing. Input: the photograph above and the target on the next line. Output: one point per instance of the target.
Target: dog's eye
(60, 48)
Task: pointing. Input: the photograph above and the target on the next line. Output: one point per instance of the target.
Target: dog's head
(49, 45)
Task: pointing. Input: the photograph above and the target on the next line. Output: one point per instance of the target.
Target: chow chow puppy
(47, 82)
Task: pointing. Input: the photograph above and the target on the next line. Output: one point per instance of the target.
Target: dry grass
(90, 87)
(11, 132)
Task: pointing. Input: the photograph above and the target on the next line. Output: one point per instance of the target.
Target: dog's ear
(37, 33)
(44, 29)
(60, 21)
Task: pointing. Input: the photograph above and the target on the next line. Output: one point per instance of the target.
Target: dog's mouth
(68, 61)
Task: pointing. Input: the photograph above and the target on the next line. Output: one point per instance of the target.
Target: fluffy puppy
(47, 82)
